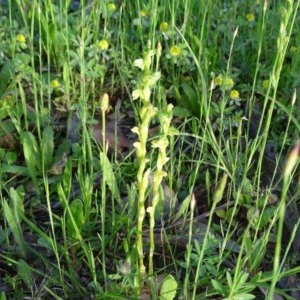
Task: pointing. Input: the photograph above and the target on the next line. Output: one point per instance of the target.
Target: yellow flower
(219, 80)
(20, 38)
(103, 45)
(228, 83)
(250, 17)
(234, 95)
(163, 26)
(265, 84)
(175, 51)
(54, 84)
(111, 6)
(143, 13)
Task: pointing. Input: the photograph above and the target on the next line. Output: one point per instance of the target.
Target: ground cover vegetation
(149, 149)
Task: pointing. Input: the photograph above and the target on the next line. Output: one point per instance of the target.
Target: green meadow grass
(197, 197)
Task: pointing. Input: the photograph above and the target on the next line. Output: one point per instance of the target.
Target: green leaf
(25, 272)
(229, 279)
(11, 157)
(17, 203)
(221, 213)
(4, 233)
(6, 74)
(168, 289)
(181, 112)
(218, 194)
(266, 216)
(75, 219)
(218, 286)
(109, 176)
(47, 146)
(22, 59)
(3, 296)
(244, 297)
(191, 96)
(14, 226)
(31, 155)
(182, 100)
(5, 168)
(6, 126)
(183, 209)
(257, 253)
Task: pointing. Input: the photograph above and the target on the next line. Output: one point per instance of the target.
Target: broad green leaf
(5, 168)
(14, 226)
(17, 203)
(31, 155)
(11, 157)
(109, 176)
(183, 209)
(191, 96)
(6, 73)
(62, 196)
(169, 288)
(181, 112)
(229, 279)
(67, 178)
(218, 286)
(182, 100)
(257, 253)
(25, 272)
(266, 216)
(47, 147)
(22, 58)
(75, 219)
(7, 126)
(218, 194)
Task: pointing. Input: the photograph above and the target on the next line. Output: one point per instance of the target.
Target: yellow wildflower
(54, 84)
(175, 51)
(219, 80)
(20, 38)
(234, 95)
(111, 6)
(250, 17)
(265, 84)
(143, 13)
(163, 26)
(228, 83)
(103, 45)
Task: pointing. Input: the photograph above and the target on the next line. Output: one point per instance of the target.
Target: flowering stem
(162, 144)
(147, 112)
